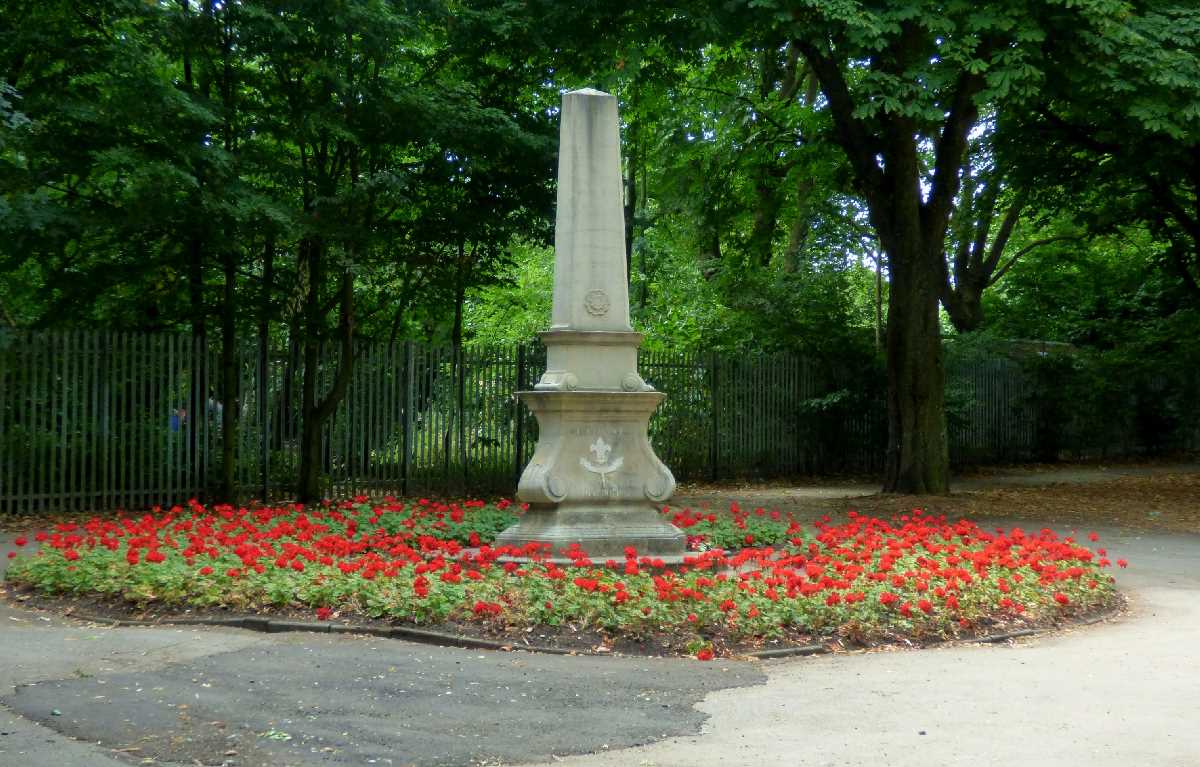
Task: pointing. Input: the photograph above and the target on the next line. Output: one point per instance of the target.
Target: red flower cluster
(418, 562)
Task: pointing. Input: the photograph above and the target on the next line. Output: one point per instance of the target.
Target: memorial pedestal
(594, 479)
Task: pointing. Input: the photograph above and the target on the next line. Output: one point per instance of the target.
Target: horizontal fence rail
(94, 420)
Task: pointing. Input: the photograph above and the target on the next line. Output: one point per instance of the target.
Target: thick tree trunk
(917, 454)
(308, 483)
(766, 213)
(878, 302)
(911, 219)
(316, 413)
(964, 305)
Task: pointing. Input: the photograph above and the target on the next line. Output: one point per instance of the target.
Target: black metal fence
(102, 420)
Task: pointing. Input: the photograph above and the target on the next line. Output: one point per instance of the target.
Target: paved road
(1123, 693)
(72, 694)
(1116, 694)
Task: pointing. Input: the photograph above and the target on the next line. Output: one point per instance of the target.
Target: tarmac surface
(1124, 692)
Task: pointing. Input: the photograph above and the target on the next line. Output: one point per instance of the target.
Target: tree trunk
(316, 413)
(964, 306)
(917, 454)
(766, 213)
(878, 302)
(308, 483)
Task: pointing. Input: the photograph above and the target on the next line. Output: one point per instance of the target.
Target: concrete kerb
(443, 639)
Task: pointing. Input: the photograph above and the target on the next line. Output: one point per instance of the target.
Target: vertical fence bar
(103, 421)
(80, 430)
(128, 408)
(37, 415)
(161, 421)
(24, 478)
(406, 453)
(714, 458)
(52, 341)
(49, 443)
(141, 434)
(137, 418)
(519, 418)
(70, 417)
(116, 420)
(8, 367)
(196, 401)
(20, 397)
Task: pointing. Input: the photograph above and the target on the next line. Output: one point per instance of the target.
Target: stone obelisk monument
(594, 478)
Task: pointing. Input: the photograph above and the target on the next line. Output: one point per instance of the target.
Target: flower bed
(862, 581)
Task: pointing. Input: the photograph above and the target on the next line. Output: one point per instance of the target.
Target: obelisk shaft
(590, 283)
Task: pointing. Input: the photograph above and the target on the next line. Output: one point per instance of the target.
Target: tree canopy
(851, 180)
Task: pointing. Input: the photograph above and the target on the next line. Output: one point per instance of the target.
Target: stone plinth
(594, 480)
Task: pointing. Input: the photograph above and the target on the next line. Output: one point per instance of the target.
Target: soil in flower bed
(758, 578)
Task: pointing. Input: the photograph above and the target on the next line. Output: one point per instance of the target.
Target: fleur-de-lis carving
(601, 449)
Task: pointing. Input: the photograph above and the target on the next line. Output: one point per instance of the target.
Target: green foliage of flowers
(448, 522)
(736, 529)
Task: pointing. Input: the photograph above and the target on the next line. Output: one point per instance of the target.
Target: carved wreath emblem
(596, 302)
(600, 450)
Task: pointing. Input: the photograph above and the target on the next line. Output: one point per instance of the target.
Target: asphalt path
(1115, 694)
(1124, 692)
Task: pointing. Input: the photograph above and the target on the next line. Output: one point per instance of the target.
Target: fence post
(264, 454)
(405, 458)
(460, 404)
(519, 442)
(715, 439)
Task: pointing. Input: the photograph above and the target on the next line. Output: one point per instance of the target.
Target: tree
(169, 161)
(905, 82)
(1118, 130)
(984, 223)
